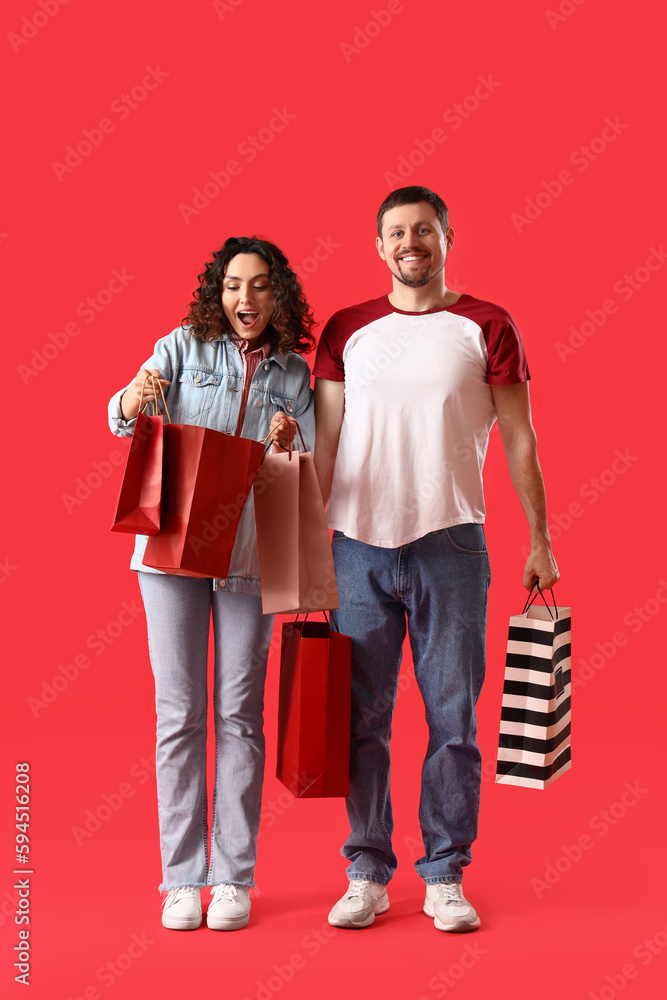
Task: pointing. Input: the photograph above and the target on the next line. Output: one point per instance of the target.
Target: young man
(407, 389)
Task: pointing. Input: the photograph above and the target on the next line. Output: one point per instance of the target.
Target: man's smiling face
(413, 243)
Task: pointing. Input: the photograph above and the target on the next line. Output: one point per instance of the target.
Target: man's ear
(380, 248)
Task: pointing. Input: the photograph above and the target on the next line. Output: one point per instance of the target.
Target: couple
(407, 388)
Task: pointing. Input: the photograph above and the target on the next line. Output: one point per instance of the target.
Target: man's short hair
(409, 196)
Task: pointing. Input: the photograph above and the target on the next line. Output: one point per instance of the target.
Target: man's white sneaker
(450, 909)
(181, 910)
(229, 909)
(358, 907)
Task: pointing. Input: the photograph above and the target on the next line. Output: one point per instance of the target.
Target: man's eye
(397, 233)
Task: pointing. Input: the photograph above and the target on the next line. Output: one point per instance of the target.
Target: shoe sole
(348, 923)
(184, 924)
(457, 927)
(227, 923)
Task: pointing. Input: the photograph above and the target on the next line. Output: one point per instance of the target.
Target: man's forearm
(526, 476)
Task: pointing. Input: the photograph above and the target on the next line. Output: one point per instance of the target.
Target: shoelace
(174, 895)
(224, 891)
(359, 887)
(450, 891)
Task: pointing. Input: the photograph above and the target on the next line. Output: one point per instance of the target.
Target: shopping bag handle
(331, 614)
(154, 401)
(531, 597)
(289, 441)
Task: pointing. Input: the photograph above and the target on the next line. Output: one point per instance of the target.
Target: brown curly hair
(292, 318)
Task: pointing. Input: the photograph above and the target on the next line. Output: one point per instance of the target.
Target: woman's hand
(283, 430)
(131, 398)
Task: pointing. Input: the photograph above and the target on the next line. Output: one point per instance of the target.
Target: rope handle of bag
(289, 441)
(331, 614)
(143, 407)
(531, 597)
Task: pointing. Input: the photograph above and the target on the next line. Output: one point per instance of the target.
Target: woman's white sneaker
(229, 909)
(450, 909)
(181, 909)
(360, 904)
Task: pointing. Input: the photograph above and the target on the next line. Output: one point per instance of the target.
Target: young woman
(234, 365)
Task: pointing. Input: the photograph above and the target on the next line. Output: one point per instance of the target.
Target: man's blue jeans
(440, 583)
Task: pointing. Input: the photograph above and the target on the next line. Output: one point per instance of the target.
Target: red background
(356, 112)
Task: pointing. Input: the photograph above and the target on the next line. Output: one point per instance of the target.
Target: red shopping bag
(314, 710)
(207, 477)
(296, 566)
(139, 500)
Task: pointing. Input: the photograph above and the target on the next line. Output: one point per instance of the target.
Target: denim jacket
(206, 383)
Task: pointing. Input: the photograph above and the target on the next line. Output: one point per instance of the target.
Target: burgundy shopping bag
(314, 710)
(207, 477)
(139, 500)
(296, 567)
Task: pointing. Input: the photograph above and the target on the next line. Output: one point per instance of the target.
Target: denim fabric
(439, 583)
(206, 382)
(178, 612)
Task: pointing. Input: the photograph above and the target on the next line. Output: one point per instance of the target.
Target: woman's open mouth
(247, 318)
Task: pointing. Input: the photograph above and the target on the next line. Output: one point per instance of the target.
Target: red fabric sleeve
(507, 362)
(328, 359)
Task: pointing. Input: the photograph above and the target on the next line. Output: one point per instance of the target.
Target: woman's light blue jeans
(178, 615)
(440, 583)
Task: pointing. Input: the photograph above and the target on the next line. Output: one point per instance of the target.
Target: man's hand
(282, 431)
(541, 568)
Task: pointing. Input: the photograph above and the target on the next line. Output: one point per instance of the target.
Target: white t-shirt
(418, 412)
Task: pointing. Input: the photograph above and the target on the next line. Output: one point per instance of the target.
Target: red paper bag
(314, 710)
(139, 501)
(296, 566)
(207, 477)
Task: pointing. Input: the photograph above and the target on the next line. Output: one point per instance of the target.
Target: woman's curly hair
(292, 319)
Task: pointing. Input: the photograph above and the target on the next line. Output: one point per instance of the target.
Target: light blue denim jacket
(206, 383)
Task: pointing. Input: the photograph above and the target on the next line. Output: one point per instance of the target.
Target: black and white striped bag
(534, 744)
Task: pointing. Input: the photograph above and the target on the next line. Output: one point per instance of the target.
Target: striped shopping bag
(534, 744)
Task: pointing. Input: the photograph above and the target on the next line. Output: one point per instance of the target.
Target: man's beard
(417, 282)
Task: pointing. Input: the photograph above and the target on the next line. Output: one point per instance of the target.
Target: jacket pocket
(196, 391)
(281, 401)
